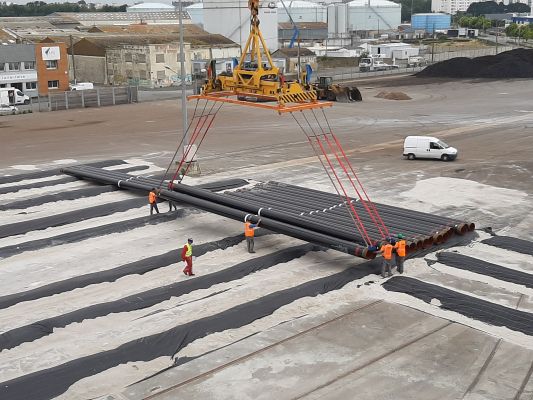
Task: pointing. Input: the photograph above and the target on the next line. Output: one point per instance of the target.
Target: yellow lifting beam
(257, 77)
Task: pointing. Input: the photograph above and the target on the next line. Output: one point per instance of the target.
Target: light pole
(183, 85)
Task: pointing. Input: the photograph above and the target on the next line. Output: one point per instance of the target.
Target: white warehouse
(302, 11)
(363, 15)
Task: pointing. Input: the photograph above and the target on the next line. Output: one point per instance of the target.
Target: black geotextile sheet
(70, 217)
(137, 301)
(485, 268)
(137, 267)
(472, 307)
(511, 243)
(52, 172)
(88, 233)
(62, 195)
(51, 382)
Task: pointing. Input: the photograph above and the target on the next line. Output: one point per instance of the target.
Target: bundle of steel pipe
(307, 214)
(224, 206)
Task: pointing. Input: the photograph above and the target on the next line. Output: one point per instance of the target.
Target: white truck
(369, 64)
(12, 97)
(427, 147)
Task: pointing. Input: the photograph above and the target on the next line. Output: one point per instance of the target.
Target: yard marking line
(524, 383)
(376, 359)
(242, 358)
(483, 368)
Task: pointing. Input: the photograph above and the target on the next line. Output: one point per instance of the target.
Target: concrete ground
(360, 341)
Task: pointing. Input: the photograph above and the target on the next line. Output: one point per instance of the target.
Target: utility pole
(497, 23)
(73, 59)
(299, 64)
(183, 85)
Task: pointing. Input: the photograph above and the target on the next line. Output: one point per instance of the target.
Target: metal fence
(99, 97)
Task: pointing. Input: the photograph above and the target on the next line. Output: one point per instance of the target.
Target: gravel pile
(392, 96)
(516, 63)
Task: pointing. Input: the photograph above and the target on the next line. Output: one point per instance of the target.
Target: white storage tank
(337, 19)
(302, 11)
(196, 12)
(372, 15)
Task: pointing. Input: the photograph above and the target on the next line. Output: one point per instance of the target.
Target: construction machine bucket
(342, 95)
(354, 94)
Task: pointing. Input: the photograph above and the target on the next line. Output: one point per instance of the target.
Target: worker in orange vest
(152, 199)
(386, 251)
(186, 255)
(400, 251)
(249, 233)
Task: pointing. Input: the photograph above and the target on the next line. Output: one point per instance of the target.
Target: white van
(13, 96)
(427, 147)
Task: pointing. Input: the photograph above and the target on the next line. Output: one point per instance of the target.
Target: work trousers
(188, 268)
(386, 267)
(153, 206)
(172, 204)
(250, 244)
(399, 263)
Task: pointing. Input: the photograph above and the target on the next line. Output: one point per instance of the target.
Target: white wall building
(233, 21)
(302, 11)
(450, 6)
(399, 51)
(363, 15)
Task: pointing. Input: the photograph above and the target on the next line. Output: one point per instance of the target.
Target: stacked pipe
(421, 229)
(226, 206)
(307, 214)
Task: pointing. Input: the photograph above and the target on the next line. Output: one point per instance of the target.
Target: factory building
(363, 15)
(431, 22)
(302, 11)
(150, 7)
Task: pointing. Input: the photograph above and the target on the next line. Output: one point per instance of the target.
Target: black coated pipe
(220, 209)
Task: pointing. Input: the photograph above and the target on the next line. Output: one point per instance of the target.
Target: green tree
(419, 6)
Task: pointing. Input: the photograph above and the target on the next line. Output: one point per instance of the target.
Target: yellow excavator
(327, 90)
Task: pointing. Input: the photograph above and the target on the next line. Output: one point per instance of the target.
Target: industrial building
(431, 22)
(34, 68)
(150, 7)
(363, 15)
(302, 11)
(309, 33)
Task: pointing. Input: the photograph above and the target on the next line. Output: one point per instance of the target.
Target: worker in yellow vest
(152, 199)
(400, 251)
(186, 255)
(386, 251)
(249, 233)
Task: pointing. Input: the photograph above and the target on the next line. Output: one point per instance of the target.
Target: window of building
(29, 64)
(128, 57)
(142, 74)
(31, 85)
(14, 66)
(141, 58)
(161, 75)
(2, 67)
(53, 84)
(51, 64)
(129, 73)
(159, 58)
(178, 58)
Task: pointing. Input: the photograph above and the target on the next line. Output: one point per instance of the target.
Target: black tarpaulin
(510, 243)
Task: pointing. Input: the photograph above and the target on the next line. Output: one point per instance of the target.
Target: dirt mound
(516, 63)
(392, 96)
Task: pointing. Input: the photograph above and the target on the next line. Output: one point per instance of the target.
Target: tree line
(419, 6)
(491, 7)
(40, 8)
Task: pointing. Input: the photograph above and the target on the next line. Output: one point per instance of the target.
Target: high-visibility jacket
(152, 198)
(387, 251)
(400, 248)
(187, 251)
(249, 229)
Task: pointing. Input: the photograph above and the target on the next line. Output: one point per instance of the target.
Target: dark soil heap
(516, 63)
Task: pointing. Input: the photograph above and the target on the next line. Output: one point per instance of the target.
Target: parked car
(82, 86)
(427, 147)
(416, 61)
(7, 109)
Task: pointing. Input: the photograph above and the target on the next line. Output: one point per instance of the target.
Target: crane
(257, 76)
